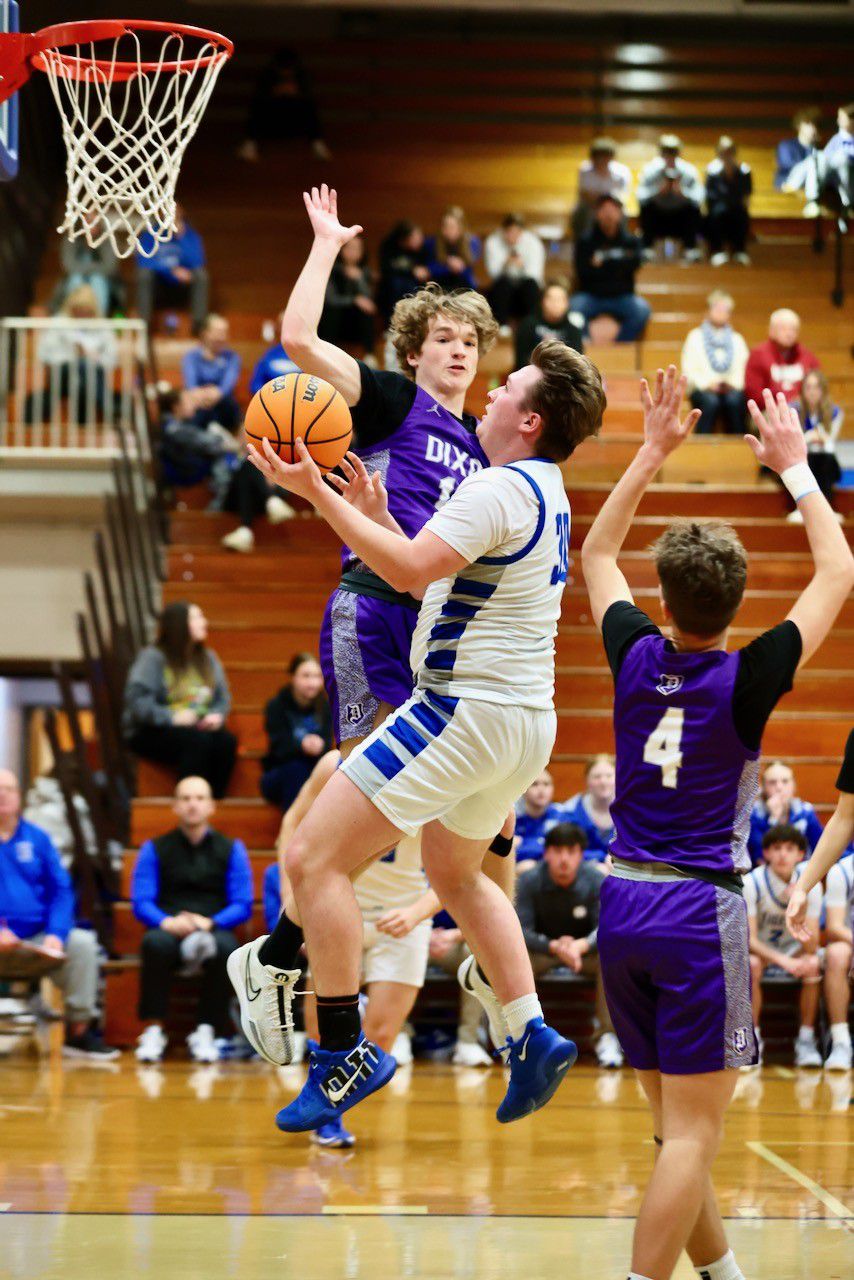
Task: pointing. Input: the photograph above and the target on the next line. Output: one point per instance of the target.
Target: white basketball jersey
(767, 897)
(840, 884)
(489, 633)
(393, 882)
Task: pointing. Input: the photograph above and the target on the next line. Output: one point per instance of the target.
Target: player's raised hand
(781, 441)
(303, 477)
(366, 493)
(662, 406)
(322, 207)
(796, 915)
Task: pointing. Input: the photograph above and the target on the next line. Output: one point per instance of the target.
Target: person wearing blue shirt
(781, 806)
(272, 896)
(191, 887)
(793, 152)
(535, 816)
(173, 272)
(210, 372)
(452, 253)
(274, 363)
(591, 809)
(37, 906)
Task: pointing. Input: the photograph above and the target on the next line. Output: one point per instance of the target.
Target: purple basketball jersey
(685, 781)
(421, 464)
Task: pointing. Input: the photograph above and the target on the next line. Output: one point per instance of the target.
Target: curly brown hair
(702, 567)
(411, 318)
(569, 397)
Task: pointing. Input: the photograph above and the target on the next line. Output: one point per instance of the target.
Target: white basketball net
(125, 139)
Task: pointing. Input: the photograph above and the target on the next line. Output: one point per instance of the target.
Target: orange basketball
(299, 404)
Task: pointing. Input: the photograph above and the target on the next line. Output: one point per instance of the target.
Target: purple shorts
(676, 970)
(364, 653)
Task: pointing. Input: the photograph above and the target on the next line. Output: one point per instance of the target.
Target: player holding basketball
(479, 727)
(688, 719)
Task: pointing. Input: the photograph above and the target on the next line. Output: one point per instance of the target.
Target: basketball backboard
(9, 108)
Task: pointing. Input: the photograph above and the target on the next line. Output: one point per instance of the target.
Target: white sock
(840, 1033)
(726, 1268)
(518, 1013)
(807, 1033)
(636, 1275)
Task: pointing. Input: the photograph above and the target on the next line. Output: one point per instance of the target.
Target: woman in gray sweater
(177, 699)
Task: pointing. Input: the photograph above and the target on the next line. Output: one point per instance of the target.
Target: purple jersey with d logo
(685, 780)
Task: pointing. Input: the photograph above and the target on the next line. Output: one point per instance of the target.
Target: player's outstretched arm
(835, 839)
(781, 446)
(663, 432)
(305, 305)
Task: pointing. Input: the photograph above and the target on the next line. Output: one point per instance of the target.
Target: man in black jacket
(299, 727)
(558, 906)
(606, 261)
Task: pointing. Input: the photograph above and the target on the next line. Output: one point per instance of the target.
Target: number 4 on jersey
(663, 745)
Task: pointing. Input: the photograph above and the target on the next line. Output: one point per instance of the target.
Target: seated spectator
(781, 361)
(714, 358)
(191, 453)
(837, 159)
(550, 319)
(283, 107)
(210, 373)
(607, 259)
(839, 911)
(172, 272)
(591, 809)
(98, 268)
(515, 260)
(601, 175)
(729, 186)
(793, 152)
(299, 726)
(670, 194)
(403, 266)
(349, 308)
(452, 253)
(274, 363)
(778, 806)
(448, 950)
(249, 496)
(191, 888)
(37, 906)
(79, 362)
(558, 907)
(772, 948)
(177, 700)
(822, 421)
(536, 814)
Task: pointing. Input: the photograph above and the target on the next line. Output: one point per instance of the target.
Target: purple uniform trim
(676, 970)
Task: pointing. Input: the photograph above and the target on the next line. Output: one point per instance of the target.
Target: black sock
(339, 1022)
(282, 947)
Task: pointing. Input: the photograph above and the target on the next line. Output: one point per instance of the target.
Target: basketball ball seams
(272, 419)
(319, 416)
(294, 408)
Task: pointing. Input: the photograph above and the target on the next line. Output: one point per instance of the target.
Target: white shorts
(388, 959)
(458, 760)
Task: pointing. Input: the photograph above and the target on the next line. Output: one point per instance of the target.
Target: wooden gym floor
(123, 1172)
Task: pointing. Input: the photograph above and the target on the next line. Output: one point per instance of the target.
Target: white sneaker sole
(235, 967)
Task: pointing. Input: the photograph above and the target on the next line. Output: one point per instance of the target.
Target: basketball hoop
(130, 95)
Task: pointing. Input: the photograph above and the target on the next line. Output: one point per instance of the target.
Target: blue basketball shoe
(538, 1061)
(336, 1082)
(333, 1135)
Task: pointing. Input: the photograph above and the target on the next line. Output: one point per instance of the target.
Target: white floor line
(834, 1206)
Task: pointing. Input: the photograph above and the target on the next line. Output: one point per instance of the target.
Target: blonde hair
(410, 320)
(462, 248)
(720, 295)
(825, 404)
(602, 758)
(83, 296)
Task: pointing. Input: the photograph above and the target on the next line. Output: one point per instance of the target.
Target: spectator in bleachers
(191, 453)
(536, 814)
(191, 888)
(349, 309)
(210, 372)
(452, 253)
(274, 363)
(98, 268)
(793, 152)
(404, 265)
(714, 358)
(299, 726)
(447, 951)
(670, 194)
(729, 186)
(601, 175)
(172, 273)
(837, 159)
(78, 360)
(822, 421)
(781, 361)
(772, 947)
(607, 259)
(177, 700)
(282, 107)
(780, 806)
(590, 810)
(558, 906)
(549, 319)
(249, 496)
(839, 911)
(37, 907)
(515, 261)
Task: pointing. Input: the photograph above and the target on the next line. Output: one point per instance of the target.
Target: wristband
(501, 845)
(799, 480)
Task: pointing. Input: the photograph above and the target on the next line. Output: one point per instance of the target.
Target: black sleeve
(384, 403)
(845, 781)
(622, 625)
(766, 670)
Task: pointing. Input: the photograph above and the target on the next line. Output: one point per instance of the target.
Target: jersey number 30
(561, 569)
(663, 745)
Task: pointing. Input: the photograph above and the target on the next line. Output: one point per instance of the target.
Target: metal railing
(68, 383)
